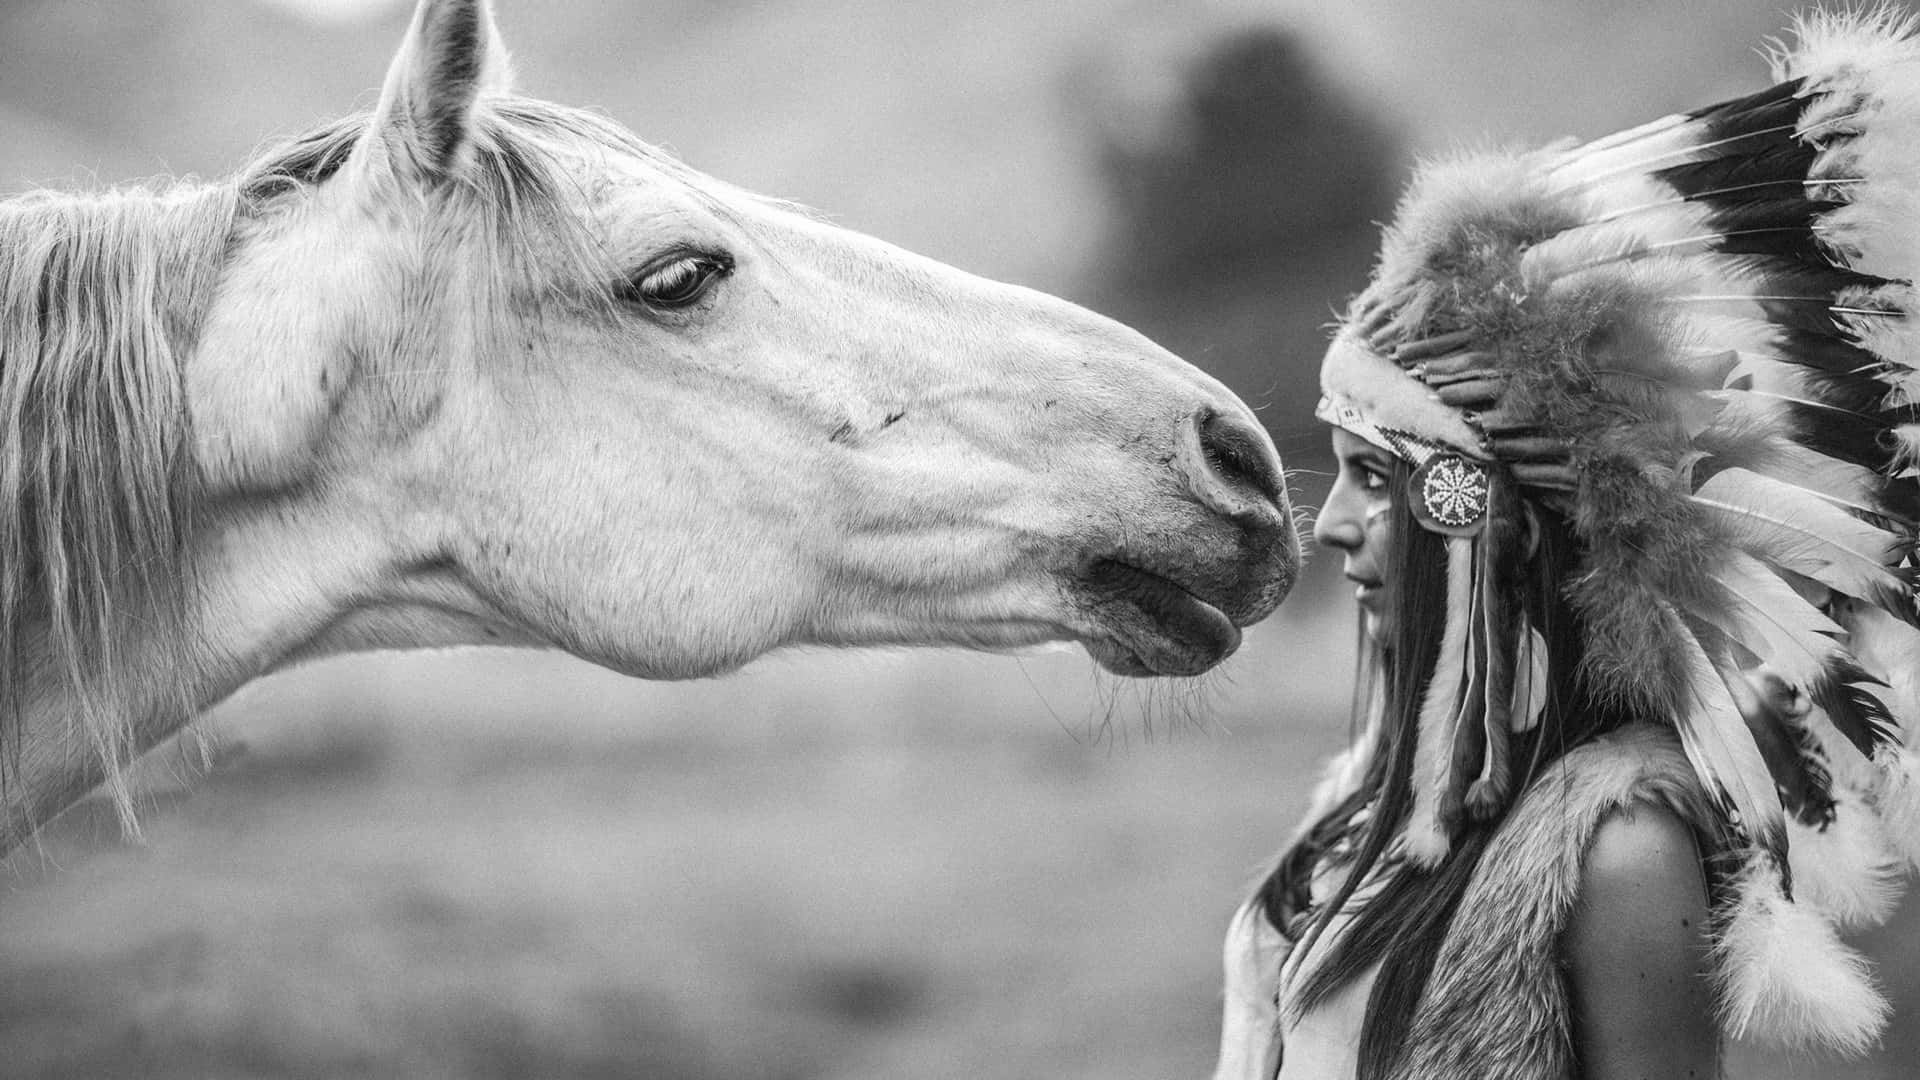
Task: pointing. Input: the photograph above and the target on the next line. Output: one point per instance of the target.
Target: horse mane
(101, 297)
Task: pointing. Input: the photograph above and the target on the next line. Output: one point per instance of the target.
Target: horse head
(596, 399)
(477, 368)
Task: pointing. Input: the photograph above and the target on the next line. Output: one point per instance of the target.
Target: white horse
(480, 369)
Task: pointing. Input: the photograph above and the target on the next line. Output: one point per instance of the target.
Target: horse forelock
(102, 294)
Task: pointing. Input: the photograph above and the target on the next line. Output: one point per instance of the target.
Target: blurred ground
(929, 865)
(830, 867)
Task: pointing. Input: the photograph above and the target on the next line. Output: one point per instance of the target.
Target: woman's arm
(1636, 952)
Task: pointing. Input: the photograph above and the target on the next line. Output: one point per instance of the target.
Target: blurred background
(833, 865)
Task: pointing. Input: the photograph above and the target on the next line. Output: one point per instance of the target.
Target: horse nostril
(1238, 455)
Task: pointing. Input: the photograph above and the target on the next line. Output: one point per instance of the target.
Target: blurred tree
(1245, 208)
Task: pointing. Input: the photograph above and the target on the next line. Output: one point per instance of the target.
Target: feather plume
(1832, 46)
(1898, 799)
(1692, 140)
(1776, 719)
(1864, 71)
(1895, 342)
(1466, 755)
(1672, 139)
(1785, 976)
(1501, 546)
(1427, 839)
(1777, 169)
(1769, 619)
(1782, 526)
(1640, 213)
(1839, 483)
(1851, 698)
(1807, 400)
(1889, 649)
(1715, 736)
(1838, 432)
(1532, 680)
(1845, 869)
(1755, 430)
(1641, 134)
(1906, 449)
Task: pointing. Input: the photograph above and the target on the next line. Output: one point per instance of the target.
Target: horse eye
(677, 281)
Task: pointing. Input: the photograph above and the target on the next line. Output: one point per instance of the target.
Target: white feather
(1903, 386)
(1719, 331)
(1644, 134)
(1898, 799)
(1783, 525)
(1672, 140)
(1895, 340)
(1426, 839)
(1785, 976)
(1847, 870)
(1863, 72)
(1889, 650)
(1532, 681)
(1789, 462)
(1638, 193)
(1906, 454)
(1774, 621)
(1642, 212)
(1832, 45)
(1715, 737)
(1805, 470)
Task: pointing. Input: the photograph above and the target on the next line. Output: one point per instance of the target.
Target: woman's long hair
(1402, 924)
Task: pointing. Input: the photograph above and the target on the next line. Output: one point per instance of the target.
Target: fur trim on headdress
(1698, 342)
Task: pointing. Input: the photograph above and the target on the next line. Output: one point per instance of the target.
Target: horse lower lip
(1163, 628)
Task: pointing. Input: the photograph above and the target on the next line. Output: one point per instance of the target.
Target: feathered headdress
(1697, 342)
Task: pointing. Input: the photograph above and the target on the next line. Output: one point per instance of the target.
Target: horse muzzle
(1172, 597)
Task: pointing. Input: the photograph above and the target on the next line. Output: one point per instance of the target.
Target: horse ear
(423, 126)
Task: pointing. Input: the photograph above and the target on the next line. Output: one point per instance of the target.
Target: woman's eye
(1371, 480)
(678, 281)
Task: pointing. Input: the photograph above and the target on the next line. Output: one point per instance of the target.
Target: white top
(1323, 1044)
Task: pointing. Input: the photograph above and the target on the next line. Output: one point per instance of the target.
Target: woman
(1626, 438)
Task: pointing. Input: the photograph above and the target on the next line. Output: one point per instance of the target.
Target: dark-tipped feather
(1841, 433)
(1775, 105)
(1777, 166)
(1849, 700)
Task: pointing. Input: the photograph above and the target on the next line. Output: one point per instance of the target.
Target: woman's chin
(1376, 625)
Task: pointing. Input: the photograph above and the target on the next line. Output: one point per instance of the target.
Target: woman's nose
(1339, 524)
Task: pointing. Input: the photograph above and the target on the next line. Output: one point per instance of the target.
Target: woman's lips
(1369, 594)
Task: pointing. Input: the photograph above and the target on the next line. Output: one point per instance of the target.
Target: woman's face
(1354, 520)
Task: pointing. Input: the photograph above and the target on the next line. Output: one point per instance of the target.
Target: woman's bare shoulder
(1636, 950)
(1644, 846)
(1643, 891)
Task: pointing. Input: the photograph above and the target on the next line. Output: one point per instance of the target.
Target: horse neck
(136, 597)
(123, 610)
(272, 582)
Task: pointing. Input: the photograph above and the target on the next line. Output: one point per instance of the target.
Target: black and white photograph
(830, 540)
